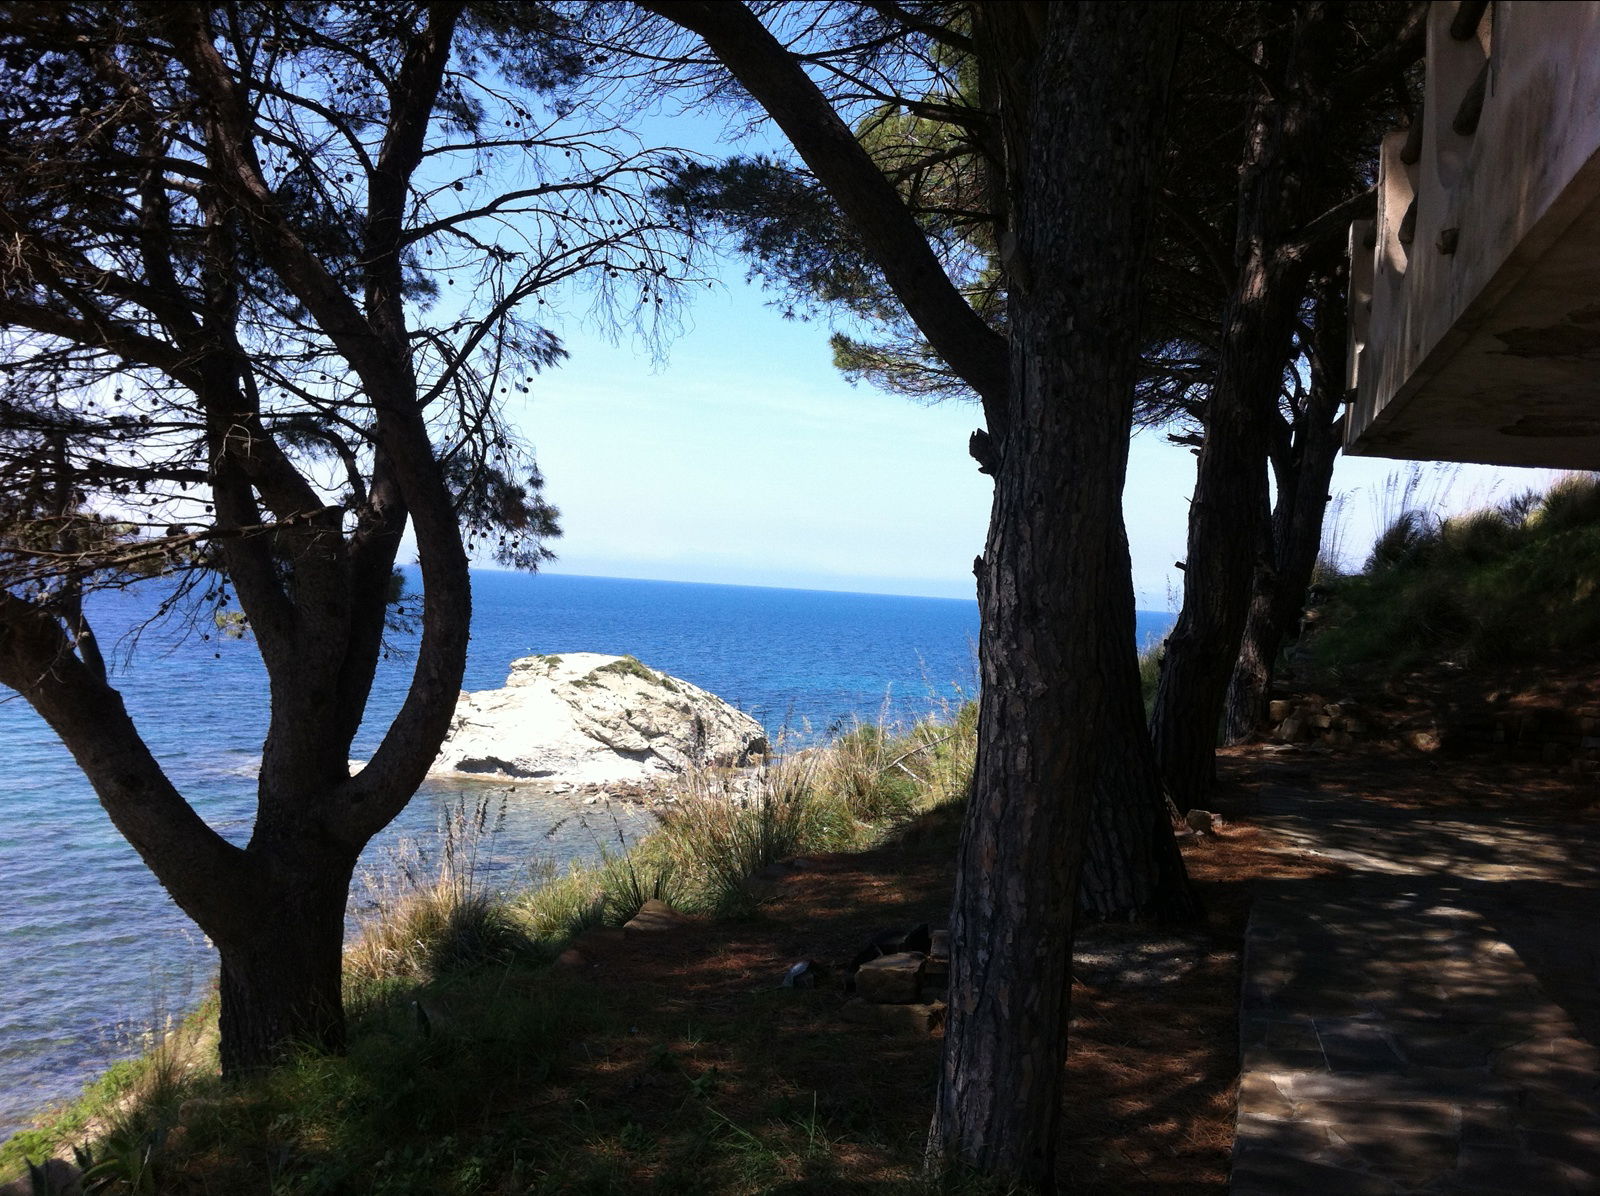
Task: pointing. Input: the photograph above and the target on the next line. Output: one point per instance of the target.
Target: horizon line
(739, 585)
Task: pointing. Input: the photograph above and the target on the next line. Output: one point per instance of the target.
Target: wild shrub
(1407, 541)
(558, 907)
(725, 827)
(1503, 586)
(433, 932)
(951, 752)
(629, 879)
(1572, 503)
(420, 927)
(1481, 536)
(868, 769)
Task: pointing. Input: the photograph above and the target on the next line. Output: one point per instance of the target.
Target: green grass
(628, 666)
(459, 1031)
(1512, 584)
(1150, 674)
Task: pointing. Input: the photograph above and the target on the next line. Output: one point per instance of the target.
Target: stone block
(1260, 1096)
(1279, 710)
(892, 979)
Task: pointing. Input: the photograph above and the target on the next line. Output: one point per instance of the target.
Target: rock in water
(594, 719)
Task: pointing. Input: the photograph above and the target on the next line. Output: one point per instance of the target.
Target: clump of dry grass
(424, 924)
(724, 827)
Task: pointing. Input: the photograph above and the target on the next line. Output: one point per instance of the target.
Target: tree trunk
(280, 979)
(1252, 673)
(1303, 481)
(1132, 868)
(1230, 498)
(1056, 648)
(1202, 648)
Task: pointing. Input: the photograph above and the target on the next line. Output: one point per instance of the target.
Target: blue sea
(94, 953)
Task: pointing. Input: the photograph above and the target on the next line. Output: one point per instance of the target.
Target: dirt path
(1426, 1019)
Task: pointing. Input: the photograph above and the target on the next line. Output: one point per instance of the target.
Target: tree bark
(280, 980)
(1230, 498)
(1056, 648)
(1132, 868)
(1252, 672)
(1303, 478)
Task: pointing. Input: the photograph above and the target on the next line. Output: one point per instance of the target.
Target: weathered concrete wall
(1476, 318)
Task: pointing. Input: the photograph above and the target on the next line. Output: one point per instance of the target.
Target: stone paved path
(1428, 1021)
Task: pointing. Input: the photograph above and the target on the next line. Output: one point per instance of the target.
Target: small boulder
(889, 942)
(892, 979)
(654, 917)
(1423, 741)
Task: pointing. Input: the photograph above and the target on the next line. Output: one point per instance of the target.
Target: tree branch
(191, 860)
(776, 80)
(1409, 44)
(1332, 226)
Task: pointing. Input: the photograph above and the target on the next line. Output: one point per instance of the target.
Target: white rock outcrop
(591, 719)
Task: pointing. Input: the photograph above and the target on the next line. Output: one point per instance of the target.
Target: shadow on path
(1428, 1020)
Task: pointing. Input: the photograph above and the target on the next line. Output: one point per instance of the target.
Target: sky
(736, 454)
(742, 457)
